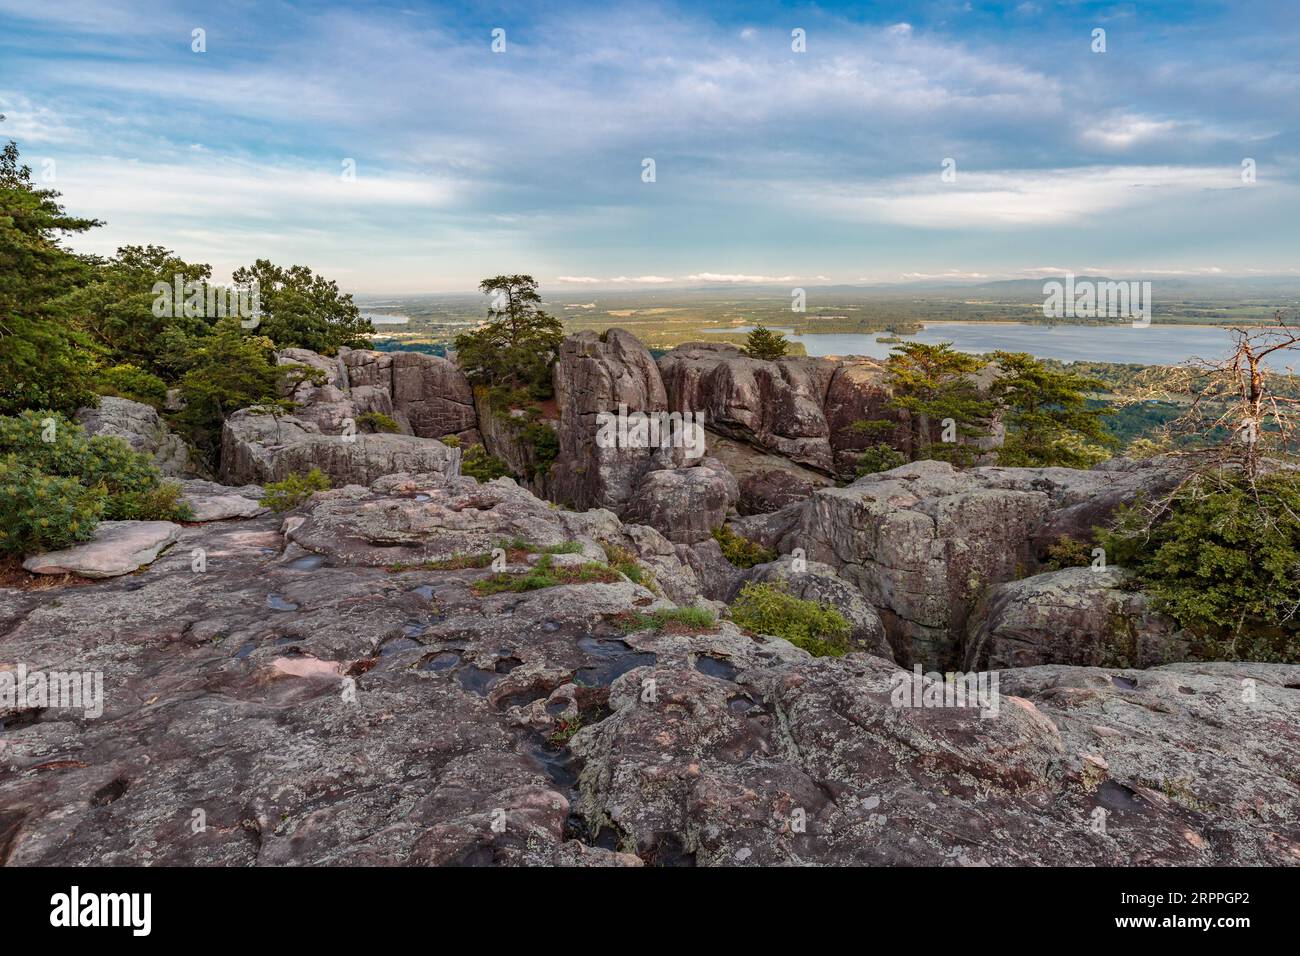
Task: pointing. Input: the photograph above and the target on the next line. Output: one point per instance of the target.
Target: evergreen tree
(763, 343)
(1048, 419)
(44, 361)
(303, 310)
(933, 384)
(517, 345)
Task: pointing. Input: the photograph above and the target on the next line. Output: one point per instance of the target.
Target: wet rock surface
(320, 695)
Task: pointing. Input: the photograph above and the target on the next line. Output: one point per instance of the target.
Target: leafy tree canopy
(303, 310)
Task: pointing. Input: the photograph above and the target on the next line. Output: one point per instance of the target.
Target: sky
(392, 148)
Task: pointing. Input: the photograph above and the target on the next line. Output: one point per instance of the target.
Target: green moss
(770, 609)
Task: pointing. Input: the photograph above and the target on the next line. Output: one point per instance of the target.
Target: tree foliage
(1048, 419)
(44, 361)
(303, 310)
(763, 343)
(516, 347)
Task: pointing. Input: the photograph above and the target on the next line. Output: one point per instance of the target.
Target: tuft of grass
(677, 620)
(545, 575)
(565, 728)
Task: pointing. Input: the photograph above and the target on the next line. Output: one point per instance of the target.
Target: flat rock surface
(306, 701)
(119, 547)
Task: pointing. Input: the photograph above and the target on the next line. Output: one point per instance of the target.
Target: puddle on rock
(442, 661)
(277, 603)
(395, 644)
(1124, 683)
(477, 680)
(309, 562)
(614, 659)
(424, 590)
(716, 667)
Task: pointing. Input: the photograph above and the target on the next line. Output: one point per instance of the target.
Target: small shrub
(770, 609)
(133, 382)
(378, 422)
(1223, 560)
(1067, 552)
(878, 458)
(40, 512)
(625, 562)
(740, 551)
(451, 441)
(478, 464)
(294, 490)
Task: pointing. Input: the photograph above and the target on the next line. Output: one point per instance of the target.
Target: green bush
(770, 609)
(378, 422)
(451, 441)
(133, 382)
(878, 458)
(294, 490)
(740, 551)
(1067, 552)
(1223, 560)
(58, 483)
(40, 512)
(478, 464)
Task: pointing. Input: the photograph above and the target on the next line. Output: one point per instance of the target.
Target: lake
(1152, 345)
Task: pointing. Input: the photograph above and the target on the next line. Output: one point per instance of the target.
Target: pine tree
(765, 344)
(44, 361)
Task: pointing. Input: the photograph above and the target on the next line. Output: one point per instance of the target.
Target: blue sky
(799, 168)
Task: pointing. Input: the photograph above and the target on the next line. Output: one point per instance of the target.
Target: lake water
(1152, 345)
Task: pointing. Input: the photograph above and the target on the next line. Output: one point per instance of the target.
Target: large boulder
(260, 448)
(768, 491)
(776, 406)
(1081, 616)
(601, 374)
(210, 501)
(685, 504)
(142, 428)
(427, 395)
(119, 547)
(926, 542)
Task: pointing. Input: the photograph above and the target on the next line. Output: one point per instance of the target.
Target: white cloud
(1014, 198)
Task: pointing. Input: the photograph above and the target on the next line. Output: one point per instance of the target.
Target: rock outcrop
(597, 374)
(141, 427)
(119, 547)
(210, 501)
(1076, 616)
(260, 448)
(775, 406)
(325, 696)
(685, 504)
(925, 543)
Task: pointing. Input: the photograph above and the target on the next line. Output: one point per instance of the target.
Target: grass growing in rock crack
(516, 549)
(677, 620)
(565, 728)
(545, 575)
(740, 551)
